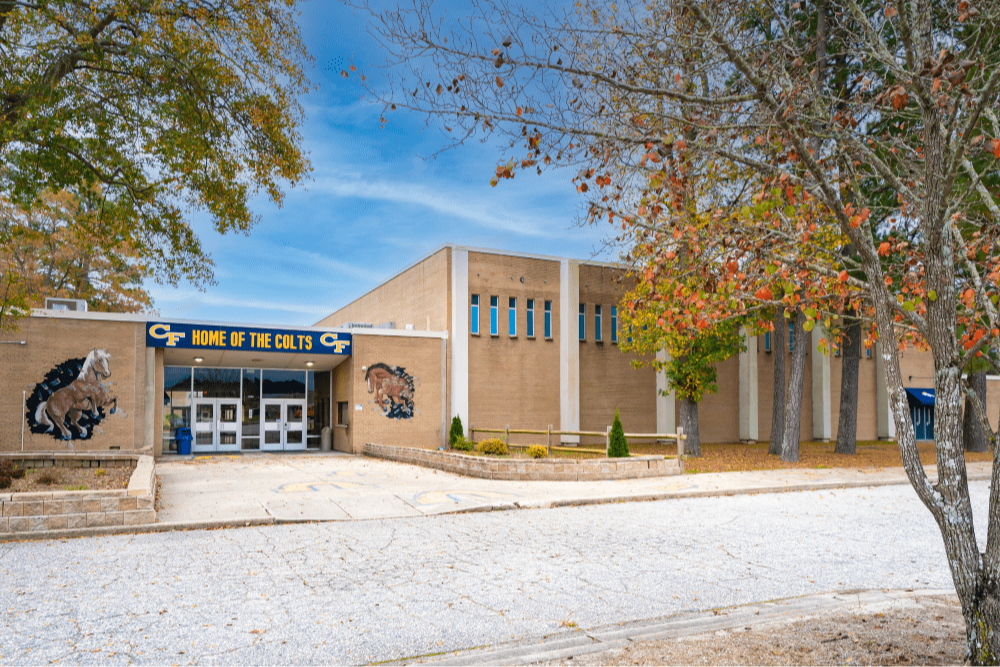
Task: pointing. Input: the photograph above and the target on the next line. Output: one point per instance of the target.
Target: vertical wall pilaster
(149, 414)
(749, 428)
(569, 349)
(666, 403)
(460, 335)
(821, 400)
(886, 426)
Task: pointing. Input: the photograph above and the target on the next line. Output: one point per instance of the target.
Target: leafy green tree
(617, 445)
(149, 110)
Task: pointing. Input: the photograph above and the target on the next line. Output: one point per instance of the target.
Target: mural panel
(393, 388)
(73, 399)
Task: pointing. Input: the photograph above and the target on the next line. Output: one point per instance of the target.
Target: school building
(497, 338)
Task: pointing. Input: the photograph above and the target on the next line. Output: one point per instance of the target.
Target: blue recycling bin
(184, 441)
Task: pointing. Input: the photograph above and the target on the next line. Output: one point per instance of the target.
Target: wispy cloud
(195, 298)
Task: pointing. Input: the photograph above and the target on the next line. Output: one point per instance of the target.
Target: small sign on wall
(357, 406)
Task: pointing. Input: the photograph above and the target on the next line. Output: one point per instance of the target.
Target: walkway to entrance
(341, 487)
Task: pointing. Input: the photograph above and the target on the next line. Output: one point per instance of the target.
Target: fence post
(550, 441)
(472, 432)
(506, 435)
(607, 443)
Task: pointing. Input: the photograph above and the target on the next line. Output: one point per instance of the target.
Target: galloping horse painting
(68, 407)
(393, 388)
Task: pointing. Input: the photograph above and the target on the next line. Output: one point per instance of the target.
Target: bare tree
(897, 158)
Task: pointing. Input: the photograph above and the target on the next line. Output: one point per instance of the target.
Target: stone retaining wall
(62, 510)
(529, 469)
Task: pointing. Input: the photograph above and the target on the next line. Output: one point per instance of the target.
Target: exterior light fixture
(309, 364)
(198, 359)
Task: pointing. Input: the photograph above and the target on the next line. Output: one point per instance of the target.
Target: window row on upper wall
(598, 323)
(530, 306)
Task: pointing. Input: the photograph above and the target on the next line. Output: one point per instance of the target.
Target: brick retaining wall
(62, 510)
(570, 470)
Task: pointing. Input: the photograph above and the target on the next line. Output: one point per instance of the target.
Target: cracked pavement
(386, 589)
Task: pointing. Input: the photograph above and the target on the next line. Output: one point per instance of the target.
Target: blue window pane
(548, 319)
(614, 324)
(767, 341)
(530, 305)
(494, 315)
(512, 316)
(583, 321)
(474, 315)
(791, 336)
(597, 323)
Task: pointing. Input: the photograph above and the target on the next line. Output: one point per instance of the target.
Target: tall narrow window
(791, 337)
(494, 315)
(767, 341)
(597, 323)
(512, 316)
(474, 316)
(583, 321)
(614, 324)
(548, 319)
(530, 307)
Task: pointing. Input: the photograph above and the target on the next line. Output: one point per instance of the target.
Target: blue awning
(921, 396)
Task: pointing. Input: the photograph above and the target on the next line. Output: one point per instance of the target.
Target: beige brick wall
(52, 341)
(422, 359)
(514, 381)
(718, 413)
(867, 405)
(607, 378)
(343, 391)
(417, 296)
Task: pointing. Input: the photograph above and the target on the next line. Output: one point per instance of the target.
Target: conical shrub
(457, 433)
(618, 447)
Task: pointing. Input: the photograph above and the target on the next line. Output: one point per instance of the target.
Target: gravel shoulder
(925, 630)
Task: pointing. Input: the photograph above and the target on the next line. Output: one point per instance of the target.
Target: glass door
(228, 424)
(295, 439)
(272, 425)
(283, 424)
(204, 426)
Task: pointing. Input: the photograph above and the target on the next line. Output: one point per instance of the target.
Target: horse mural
(393, 388)
(70, 408)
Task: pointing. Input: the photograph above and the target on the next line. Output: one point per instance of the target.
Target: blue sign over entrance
(172, 335)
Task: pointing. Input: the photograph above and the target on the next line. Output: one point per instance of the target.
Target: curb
(568, 644)
(489, 507)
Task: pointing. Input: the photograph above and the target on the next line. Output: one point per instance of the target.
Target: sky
(376, 201)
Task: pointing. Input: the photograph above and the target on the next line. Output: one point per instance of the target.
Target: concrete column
(886, 426)
(460, 306)
(445, 422)
(749, 428)
(666, 401)
(149, 413)
(821, 399)
(569, 349)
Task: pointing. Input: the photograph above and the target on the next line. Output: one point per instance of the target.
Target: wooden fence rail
(678, 437)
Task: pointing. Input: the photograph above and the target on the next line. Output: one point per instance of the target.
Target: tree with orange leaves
(868, 136)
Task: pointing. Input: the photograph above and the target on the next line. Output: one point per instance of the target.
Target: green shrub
(463, 445)
(493, 447)
(48, 478)
(456, 431)
(537, 452)
(619, 445)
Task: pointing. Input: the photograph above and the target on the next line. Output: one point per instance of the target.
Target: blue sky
(375, 203)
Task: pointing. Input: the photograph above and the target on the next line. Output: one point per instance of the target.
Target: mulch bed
(71, 479)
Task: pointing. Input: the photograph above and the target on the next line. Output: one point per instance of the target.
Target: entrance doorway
(216, 425)
(283, 424)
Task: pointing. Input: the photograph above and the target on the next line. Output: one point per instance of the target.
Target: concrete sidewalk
(275, 488)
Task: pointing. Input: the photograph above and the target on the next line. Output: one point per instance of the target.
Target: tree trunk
(972, 432)
(796, 387)
(689, 421)
(847, 426)
(778, 348)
